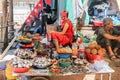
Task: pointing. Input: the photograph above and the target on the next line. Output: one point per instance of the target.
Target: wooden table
(45, 72)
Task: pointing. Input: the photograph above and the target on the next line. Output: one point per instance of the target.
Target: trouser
(106, 42)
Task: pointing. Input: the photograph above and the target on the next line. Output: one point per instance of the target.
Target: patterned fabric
(101, 40)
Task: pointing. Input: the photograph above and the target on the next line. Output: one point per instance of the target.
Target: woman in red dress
(66, 35)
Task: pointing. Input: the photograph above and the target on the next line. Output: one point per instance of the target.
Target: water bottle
(54, 54)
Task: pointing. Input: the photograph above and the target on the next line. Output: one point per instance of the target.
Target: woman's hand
(118, 39)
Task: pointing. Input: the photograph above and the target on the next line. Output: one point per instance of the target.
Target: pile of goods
(24, 53)
(64, 52)
(20, 65)
(65, 62)
(81, 62)
(41, 62)
(36, 37)
(75, 69)
(94, 52)
(28, 41)
(25, 40)
(55, 68)
(25, 43)
(82, 38)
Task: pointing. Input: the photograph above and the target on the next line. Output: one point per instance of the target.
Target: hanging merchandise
(77, 8)
(61, 7)
(68, 7)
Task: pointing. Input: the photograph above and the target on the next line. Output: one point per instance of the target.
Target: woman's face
(62, 17)
(110, 25)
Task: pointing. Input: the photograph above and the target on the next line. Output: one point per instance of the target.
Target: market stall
(36, 56)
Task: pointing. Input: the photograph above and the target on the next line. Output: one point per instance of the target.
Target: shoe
(117, 56)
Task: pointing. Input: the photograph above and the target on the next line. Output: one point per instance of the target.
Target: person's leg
(112, 55)
(105, 43)
(109, 45)
(116, 46)
(115, 50)
(56, 44)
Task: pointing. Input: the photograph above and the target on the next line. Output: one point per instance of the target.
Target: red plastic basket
(27, 45)
(98, 23)
(92, 57)
(20, 70)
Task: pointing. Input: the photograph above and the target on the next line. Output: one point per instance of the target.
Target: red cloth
(66, 38)
(64, 13)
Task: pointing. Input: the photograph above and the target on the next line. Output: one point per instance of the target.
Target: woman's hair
(107, 21)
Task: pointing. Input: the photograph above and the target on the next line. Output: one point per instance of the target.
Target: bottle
(81, 51)
(54, 54)
(74, 50)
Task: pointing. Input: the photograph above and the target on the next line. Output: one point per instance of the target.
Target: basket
(20, 70)
(98, 23)
(64, 56)
(25, 41)
(92, 57)
(37, 38)
(65, 64)
(8, 72)
(39, 78)
(27, 45)
(9, 76)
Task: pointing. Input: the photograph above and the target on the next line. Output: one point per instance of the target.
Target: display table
(45, 72)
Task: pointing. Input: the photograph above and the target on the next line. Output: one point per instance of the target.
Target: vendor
(109, 38)
(65, 36)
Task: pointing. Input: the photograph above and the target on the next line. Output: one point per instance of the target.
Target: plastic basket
(98, 23)
(20, 70)
(64, 55)
(92, 57)
(65, 64)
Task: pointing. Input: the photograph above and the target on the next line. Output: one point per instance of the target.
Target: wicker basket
(39, 78)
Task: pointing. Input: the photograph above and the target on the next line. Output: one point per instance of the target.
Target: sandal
(112, 57)
(117, 56)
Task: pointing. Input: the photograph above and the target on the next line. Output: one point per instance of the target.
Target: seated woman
(66, 35)
(109, 37)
